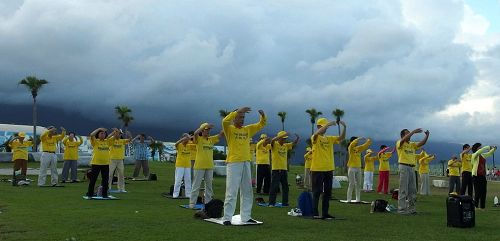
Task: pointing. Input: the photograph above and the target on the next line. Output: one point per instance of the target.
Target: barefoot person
(263, 164)
(423, 170)
(465, 157)
(183, 166)
(279, 152)
(19, 148)
(407, 160)
(204, 162)
(239, 173)
(117, 155)
(141, 145)
(478, 160)
(49, 158)
(383, 169)
(70, 156)
(323, 164)
(369, 159)
(354, 165)
(99, 163)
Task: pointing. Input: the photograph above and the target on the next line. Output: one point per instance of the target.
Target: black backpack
(380, 205)
(214, 208)
(152, 177)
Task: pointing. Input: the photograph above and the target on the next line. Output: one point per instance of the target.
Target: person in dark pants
(263, 149)
(478, 160)
(322, 165)
(465, 156)
(454, 166)
(279, 152)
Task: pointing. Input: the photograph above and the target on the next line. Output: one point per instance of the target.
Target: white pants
(239, 177)
(118, 166)
(208, 176)
(354, 175)
(46, 160)
(368, 182)
(424, 186)
(182, 173)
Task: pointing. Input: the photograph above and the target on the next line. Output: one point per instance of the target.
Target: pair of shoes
(74, 181)
(123, 191)
(63, 181)
(317, 217)
(227, 223)
(270, 205)
(285, 205)
(328, 217)
(251, 221)
(54, 185)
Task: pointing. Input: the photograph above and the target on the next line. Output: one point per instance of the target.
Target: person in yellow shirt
(407, 160)
(384, 168)
(279, 158)
(99, 163)
(307, 169)
(204, 162)
(239, 172)
(369, 168)
(465, 157)
(183, 166)
(454, 167)
(19, 147)
(117, 155)
(354, 166)
(263, 149)
(323, 165)
(49, 139)
(70, 156)
(423, 170)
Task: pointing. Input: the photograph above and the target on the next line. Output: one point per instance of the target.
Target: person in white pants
(183, 166)
(117, 153)
(204, 162)
(369, 168)
(239, 173)
(49, 139)
(354, 165)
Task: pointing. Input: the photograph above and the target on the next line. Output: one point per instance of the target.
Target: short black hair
(403, 132)
(465, 146)
(476, 146)
(382, 147)
(97, 134)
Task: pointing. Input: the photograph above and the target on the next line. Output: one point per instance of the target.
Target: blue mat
(196, 207)
(115, 191)
(101, 198)
(277, 205)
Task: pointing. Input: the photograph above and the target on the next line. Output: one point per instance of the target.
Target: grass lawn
(33, 213)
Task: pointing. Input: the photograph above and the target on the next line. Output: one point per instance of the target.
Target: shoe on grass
(328, 217)
(227, 223)
(251, 221)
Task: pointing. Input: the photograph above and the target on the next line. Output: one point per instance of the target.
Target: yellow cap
(21, 134)
(369, 151)
(262, 136)
(283, 134)
(204, 126)
(322, 122)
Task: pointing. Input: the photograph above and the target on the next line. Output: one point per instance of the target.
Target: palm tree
(338, 113)
(223, 113)
(156, 146)
(124, 116)
(314, 114)
(282, 116)
(34, 85)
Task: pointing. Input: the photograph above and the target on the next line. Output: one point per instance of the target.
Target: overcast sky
(388, 64)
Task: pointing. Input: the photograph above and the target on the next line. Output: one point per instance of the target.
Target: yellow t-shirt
(466, 162)
(192, 156)
(100, 154)
(355, 152)
(263, 153)
(205, 152)
(49, 143)
(322, 157)
(279, 155)
(71, 149)
(20, 150)
(183, 158)
(424, 164)
(383, 160)
(117, 151)
(238, 139)
(307, 160)
(454, 168)
(406, 152)
(370, 162)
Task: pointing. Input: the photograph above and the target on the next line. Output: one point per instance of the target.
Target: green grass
(32, 213)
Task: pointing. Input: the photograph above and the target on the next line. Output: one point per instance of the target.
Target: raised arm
(465, 151)
(382, 151)
(93, 133)
(492, 150)
(185, 137)
(256, 127)
(422, 142)
(342, 133)
(364, 146)
(324, 128)
(296, 141)
(80, 140)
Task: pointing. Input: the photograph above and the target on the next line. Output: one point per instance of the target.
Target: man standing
(49, 158)
(239, 173)
(19, 148)
(141, 155)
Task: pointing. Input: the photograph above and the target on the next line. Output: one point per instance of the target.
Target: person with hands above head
(204, 162)
(369, 159)
(478, 161)
(307, 169)
(279, 152)
(140, 144)
(354, 165)
(49, 139)
(454, 165)
(239, 173)
(117, 152)
(323, 165)
(183, 166)
(384, 168)
(19, 147)
(263, 148)
(70, 156)
(407, 160)
(423, 170)
(466, 169)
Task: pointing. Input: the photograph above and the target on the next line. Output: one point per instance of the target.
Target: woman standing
(478, 161)
(117, 155)
(183, 166)
(465, 156)
(423, 169)
(19, 156)
(383, 169)
(369, 168)
(354, 165)
(70, 156)
(263, 164)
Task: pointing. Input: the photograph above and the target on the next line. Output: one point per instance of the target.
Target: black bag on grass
(214, 208)
(380, 205)
(152, 177)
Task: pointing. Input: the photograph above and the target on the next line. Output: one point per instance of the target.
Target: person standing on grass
(192, 158)
(423, 169)
(407, 159)
(279, 152)
(204, 162)
(383, 169)
(354, 165)
(369, 168)
(19, 148)
(454, 166)
(117, 155)
(99, 163)
(183, 166)
(239, 172)
(70, 157)
(140, 145)
(478, 160)
(465, 157)
(307, 169)
(323, 165)
(263, 164)
(49, 158)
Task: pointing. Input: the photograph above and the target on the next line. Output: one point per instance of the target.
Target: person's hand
(297, 135)
(103, 129)
(261, 112)
(493, 147)
(332, 123)
(62, 128)
(342, 123)
(211, 126)
(244, 110)
(427, 132)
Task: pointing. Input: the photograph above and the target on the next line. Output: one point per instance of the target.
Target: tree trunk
(34, 126)
(312, 128)
(283, 126)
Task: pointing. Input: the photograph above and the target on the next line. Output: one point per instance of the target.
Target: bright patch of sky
(490, 9)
